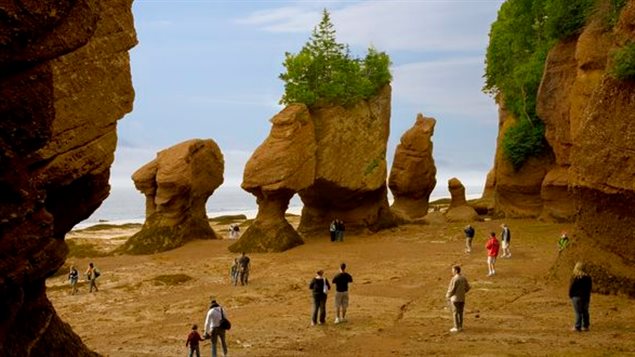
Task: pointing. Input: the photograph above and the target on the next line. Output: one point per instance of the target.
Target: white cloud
(448, 86)
(283, 19)
(391, 25)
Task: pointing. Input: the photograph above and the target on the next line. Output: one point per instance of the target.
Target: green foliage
(523, 141)
(566, 17)
(623, 64)
(520, 40)
(614, 10)
(323, 72)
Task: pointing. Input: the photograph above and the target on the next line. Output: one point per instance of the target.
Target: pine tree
(323, 72)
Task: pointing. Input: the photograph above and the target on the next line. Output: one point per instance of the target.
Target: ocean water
(127, 205)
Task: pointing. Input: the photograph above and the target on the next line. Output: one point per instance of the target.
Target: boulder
(485, 204)
(412, 177)
(64, 83)
(281, 166)
(459, 210)
(350, 173)
(177, 185)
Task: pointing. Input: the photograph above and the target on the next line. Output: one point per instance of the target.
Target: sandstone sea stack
(413, 174)
(281, 166)
(64, 83)
(459, 210)
(350, 173)
(177, 185)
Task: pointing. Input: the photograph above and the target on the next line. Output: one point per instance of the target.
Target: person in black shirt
(320, 287)
(244, 267)
(469, 236)
(580, 295)
(341, 281)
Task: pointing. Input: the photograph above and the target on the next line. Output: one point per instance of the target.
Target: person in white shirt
(213, 329)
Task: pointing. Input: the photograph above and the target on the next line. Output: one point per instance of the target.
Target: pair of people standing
(320, 287)
(337, 229)
(240, 270)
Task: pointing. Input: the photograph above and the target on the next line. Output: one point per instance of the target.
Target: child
(192, 341)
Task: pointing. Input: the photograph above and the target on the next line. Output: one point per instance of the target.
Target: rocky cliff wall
(516, 193)
(590, 125)
(64, 82)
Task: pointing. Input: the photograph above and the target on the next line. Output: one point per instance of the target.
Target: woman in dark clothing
(320, 287)
(580, 294)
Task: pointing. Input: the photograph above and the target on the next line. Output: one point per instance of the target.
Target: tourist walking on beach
(580, 295)
(193, 338)
(320, 287)
(341, 281)
(244, 266)
(506, 237)
(333, 230)
(456, 295)
(492, 247)
(469, 236)
(234, 272)
(340, 230)
(73, 277)
(213, 327)
(92, 273)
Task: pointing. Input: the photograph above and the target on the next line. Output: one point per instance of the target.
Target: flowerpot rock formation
(413, 174)
(177, 185)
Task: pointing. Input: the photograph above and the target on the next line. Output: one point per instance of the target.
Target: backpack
(96, 272)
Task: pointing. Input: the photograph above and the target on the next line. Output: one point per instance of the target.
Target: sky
(209, 69)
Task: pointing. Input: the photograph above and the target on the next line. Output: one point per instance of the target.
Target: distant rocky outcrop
(177, 185)
(459, 210)
(281, 166)
(413, 174)
(64, 83)
(350, 172)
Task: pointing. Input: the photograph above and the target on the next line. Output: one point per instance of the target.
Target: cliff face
(517, 193)
(64, 82)
(602, 175)
(589, 118)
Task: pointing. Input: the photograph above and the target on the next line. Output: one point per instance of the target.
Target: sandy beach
(146, 304)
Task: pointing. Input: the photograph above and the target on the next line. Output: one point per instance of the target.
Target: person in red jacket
(492, 247)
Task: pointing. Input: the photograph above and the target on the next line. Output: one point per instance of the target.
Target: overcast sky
(209, 69)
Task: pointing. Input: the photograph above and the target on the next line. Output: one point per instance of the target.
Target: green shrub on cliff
(520, 39)
(323, 72)
(623, 64)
